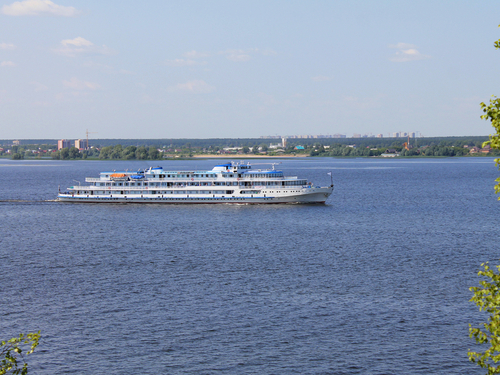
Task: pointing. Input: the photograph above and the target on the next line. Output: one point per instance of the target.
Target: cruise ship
(225, 183)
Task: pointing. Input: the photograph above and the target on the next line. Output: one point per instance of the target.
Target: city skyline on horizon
(234, 70)
(411, 135)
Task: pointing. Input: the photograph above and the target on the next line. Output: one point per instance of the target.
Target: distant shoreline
(237, 156)
(249, 157)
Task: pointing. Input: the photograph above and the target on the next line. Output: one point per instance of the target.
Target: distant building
(486, 149)
(314, 136)
(63, 143)
(390, 153)
(231, 150)
(356, 135)
(385, 155)
(380, 136)
(283, 142)
(16, 143)
(80, 144)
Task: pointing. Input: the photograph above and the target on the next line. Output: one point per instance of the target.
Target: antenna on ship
(331, 178)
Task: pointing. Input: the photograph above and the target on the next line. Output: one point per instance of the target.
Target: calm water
(374, 282)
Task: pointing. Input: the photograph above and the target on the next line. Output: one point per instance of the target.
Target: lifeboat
(118, 176)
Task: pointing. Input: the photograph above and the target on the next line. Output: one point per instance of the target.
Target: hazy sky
(206, 69)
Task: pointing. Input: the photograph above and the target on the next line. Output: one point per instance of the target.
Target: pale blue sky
(205, 69)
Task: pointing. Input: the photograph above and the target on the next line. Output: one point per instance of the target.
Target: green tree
(153, 153)
(141, 153)
(64, 153)
(487, 298)
(11, 353)
(116, 153)
(74, 153)
(129, 152)
(492, 113)
(105, 152)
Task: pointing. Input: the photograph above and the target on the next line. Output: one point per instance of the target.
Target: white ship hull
(316, 195)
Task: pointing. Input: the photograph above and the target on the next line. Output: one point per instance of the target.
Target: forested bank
(353, 147)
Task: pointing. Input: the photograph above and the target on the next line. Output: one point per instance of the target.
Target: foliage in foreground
(487, 295)
(492, 113)
(12, 355)
(487, 298)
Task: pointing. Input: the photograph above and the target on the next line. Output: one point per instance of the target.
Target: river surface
(374, 282)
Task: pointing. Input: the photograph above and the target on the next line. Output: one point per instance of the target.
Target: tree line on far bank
(429, 151)
(110, 152)
(432, 148)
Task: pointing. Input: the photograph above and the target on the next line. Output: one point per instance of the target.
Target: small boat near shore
(225, 183)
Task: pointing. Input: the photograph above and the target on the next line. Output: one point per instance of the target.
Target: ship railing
(185, 180)
(211, 187)
(200, 179)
